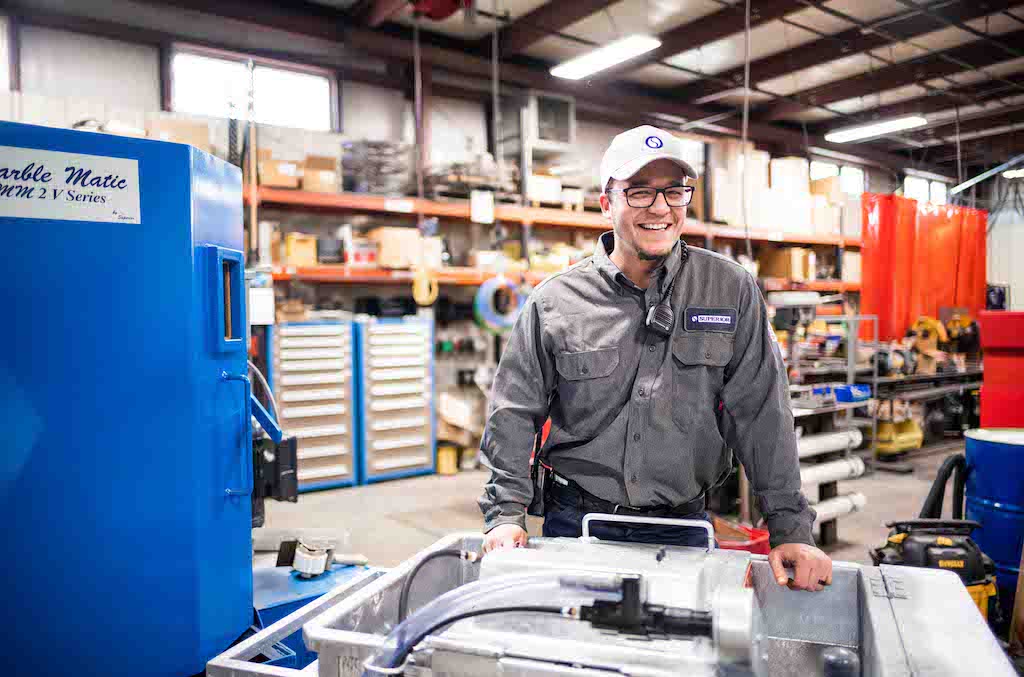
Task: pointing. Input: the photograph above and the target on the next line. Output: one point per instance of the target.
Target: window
(5, 54)
(851, 180)
(823, 170)
(924, 190)
(219, 87)
(916, 188)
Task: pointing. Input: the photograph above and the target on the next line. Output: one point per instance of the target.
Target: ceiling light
(875, 129)
(1014, 174)
(621, 50)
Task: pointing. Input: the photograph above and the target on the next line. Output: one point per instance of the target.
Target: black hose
(932, 508)
(403, 598)
(403, 650)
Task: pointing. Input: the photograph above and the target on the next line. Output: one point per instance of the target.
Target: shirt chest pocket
(698, 373)
(583, 385)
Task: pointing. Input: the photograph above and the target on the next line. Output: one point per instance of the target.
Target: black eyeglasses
(642, 197)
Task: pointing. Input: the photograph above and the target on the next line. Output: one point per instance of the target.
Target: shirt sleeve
(520, 397)
(758, 422)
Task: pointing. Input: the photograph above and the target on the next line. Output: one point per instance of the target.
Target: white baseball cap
(631, 151)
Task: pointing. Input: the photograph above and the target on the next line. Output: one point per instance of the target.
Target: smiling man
(652, 359)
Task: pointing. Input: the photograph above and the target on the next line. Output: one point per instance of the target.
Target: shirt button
(587, 371)
(650, 349)
(641, 392)
(633, 478)
(707, 355)
(636, 437)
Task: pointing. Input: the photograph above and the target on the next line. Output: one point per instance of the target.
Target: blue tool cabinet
(312, 376)
(124, 399)
(396, 397)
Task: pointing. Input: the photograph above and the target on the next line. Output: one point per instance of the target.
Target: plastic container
(852, 393)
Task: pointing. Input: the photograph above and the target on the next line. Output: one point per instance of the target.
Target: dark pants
(564, 518)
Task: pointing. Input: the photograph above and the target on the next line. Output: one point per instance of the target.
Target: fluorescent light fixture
(1014, 174)
(875, 129)
(621, 50)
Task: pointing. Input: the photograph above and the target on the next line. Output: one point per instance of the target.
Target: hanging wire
(746, 119)
(418, 103)
(615, 26)
(499, 158)
(959, 154)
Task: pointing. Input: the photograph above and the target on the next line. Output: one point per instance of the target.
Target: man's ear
(606, 205)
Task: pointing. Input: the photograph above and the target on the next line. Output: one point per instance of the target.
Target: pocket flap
(712, 351)
(589, 364)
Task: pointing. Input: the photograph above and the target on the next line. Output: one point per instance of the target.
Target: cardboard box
(300, 249)
(292, 310)
(851, 266)
(825, 216)
(696, 207)
(852, 217)
(193, 133)
(791, 175)
(278, 174)
(320, 174)
(829, 188)
(397, 248)
(544, 188)
(791, 263)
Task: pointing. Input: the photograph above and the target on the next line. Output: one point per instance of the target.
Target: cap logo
(654, 142)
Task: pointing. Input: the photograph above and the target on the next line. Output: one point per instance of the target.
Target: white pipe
(842, 469)
(812, 445)
(839, 506)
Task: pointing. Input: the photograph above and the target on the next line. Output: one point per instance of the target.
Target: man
(652, 359)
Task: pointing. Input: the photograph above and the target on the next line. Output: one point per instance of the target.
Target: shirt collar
(602, 260)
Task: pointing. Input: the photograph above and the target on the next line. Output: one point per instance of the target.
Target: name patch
(711, 319)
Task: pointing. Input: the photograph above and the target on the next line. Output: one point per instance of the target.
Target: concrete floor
(390, 521)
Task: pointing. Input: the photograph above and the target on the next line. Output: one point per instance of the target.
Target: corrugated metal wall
(1006, 245)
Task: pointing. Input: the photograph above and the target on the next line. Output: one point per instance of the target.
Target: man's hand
(812, 569)
(505, 536)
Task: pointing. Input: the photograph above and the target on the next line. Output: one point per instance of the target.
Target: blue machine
(127, 464)
(995, 498)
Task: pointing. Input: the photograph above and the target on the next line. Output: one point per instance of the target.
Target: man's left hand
(812, 569)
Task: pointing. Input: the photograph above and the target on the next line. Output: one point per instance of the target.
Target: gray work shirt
(637, 419)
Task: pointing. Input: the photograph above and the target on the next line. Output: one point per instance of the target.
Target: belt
(588, 502)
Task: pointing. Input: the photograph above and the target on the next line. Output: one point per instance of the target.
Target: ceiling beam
(1001, 145)
(978, 54)
(373, 13)
(967, 95)
(395, 45)
(714, 26)
(904, 26)
(1001, 117)
(551, 17)
(626, 96)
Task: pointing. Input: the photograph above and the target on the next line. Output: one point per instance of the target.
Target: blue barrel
(995, 498)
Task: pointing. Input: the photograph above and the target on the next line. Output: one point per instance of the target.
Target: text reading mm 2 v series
(39, 184)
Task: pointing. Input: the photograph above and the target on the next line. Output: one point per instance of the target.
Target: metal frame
(354, 423)
(235, 662)
(365, 476)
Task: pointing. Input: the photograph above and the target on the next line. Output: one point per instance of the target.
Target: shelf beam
(361, 202)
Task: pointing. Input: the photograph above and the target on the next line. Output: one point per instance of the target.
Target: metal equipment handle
(246, 469)
(663, 521)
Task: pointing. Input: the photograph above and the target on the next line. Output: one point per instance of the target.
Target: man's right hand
(504, 536)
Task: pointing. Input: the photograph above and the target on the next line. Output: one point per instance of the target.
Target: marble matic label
(46, 184)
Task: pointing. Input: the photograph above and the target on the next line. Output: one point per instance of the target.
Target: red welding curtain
(918, 258)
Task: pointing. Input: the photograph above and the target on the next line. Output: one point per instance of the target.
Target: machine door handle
(636, 519)
(245, 485)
